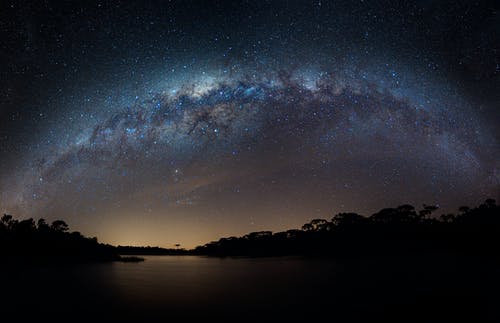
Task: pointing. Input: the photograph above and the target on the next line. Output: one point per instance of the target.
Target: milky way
(314, 136)
(267, 140)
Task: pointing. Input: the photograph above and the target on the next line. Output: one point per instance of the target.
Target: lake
(178, 288)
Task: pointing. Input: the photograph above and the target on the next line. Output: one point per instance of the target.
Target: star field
(153, 130)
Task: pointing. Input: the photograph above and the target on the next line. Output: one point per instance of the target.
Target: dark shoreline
(390, 232)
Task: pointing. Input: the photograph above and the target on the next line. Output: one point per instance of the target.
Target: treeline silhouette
(390, 231)
(153, 251)
(28, 242)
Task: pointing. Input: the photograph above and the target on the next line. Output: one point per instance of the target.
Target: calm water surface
(180, 288)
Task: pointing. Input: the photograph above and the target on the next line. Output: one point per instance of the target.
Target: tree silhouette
(390, 230)
(30, 241)
(307, 227)
(464, 209)
(42, 225)
(347, 219)
(59, 226)
(6, 218)
(427, 211)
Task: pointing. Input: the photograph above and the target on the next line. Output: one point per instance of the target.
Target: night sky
(155, 123)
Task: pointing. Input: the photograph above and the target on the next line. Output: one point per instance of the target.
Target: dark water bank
(131, 259)
(417, 288)
(152, 251)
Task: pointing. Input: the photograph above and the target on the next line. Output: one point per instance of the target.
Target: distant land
(151, 251)
(391, 231)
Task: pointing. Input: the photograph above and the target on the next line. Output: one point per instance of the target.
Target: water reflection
(224, 286)
(183, 288)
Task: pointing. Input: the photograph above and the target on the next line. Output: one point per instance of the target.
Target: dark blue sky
(164, 122)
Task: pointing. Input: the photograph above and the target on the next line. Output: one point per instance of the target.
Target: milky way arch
(311, 139)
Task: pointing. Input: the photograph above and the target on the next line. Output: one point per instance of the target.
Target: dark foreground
(417, 288)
